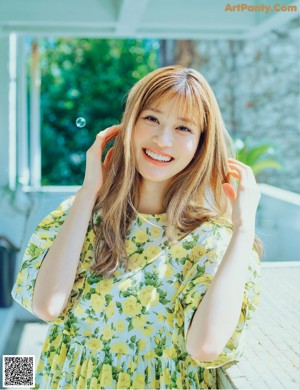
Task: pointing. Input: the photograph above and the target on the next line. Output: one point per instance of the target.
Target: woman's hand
(95, 170)
(245, 200)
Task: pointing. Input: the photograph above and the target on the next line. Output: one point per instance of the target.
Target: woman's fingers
(108, 157)
(105, 136)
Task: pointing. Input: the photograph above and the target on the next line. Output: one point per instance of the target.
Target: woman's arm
(217, 316)
(218, 313)
(58, 270)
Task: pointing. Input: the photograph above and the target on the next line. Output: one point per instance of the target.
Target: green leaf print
(188, 244)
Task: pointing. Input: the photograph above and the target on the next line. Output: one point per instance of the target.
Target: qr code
(18, 371)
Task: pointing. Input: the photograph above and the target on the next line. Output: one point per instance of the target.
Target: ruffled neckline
(160, 219)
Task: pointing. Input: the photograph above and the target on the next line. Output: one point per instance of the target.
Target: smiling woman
(149, 274)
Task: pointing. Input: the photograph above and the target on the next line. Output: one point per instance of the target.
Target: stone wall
(256, 83)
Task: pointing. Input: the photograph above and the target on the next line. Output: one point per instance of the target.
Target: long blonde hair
(203, 196)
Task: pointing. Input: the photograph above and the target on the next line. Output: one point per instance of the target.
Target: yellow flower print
(193, 297)
(179, 381)
(179, 318)
(148, 296)
(89, 320)
(155, 232)
(139, 322)
(120, 326)
(130, 247)
(44, 236)
(36, 265)
(104, 286)
(106, 376)
(142, 345)
(46, 221)
(186, 268)
(27, 303)
(119, 348)
(110, 310)
(148, 330)
(76, 355)
(107, 333)
(90, 369)
(18, 290)
(123, 381)
(177, 251)
(175, 338)
(125, 284)
(97, 302)
(166, 270)
(138, 381)
(166, 376)
(131, 307)
(197, 252)
(21, 277)
(141, 236)
(204, 279)
(79, 310)
(62, 355)
(150, 354)
(208, 379)
(170, 353)
(151, 251)
(211, 254)
(136, 260)
(94, 384)
(87, 333)
(94, 343)
(170, 318)
(160, 317)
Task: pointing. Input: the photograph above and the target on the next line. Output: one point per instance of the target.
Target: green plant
(259, 156)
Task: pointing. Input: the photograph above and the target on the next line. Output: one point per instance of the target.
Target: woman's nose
(164, 137)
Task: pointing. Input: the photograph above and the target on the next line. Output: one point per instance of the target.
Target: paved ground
(272, 357)
(271, 360)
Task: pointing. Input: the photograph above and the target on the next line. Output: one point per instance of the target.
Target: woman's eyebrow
(187, 120)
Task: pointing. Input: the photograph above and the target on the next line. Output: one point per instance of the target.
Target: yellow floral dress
(128, 331)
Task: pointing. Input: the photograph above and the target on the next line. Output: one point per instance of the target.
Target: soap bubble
(80, 122)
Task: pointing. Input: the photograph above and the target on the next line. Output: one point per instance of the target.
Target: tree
(87, 78)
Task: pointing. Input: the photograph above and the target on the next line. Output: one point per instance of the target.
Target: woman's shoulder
(59, 214)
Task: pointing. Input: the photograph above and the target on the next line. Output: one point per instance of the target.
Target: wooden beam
(130, 15)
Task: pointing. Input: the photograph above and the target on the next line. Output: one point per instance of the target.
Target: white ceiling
(177, 19)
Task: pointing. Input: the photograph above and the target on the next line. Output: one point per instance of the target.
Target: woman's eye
(151, 118)
(185, 129)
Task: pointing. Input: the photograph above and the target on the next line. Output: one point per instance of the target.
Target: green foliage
(259, 156)
(87, 78)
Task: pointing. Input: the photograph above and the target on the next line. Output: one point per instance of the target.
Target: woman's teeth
(157, 157)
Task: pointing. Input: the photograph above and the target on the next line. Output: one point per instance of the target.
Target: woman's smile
(163, 140)
(157, 158)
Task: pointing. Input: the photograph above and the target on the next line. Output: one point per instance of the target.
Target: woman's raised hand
(245, 200)
(95, 170)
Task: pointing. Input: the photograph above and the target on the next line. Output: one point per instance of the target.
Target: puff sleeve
(36, 250)
(205, 257)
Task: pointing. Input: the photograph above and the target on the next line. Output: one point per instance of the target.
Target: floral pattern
(129, 331)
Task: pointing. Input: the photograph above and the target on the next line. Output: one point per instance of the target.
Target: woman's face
(164, 142)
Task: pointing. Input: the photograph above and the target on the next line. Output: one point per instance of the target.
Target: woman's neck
(151, 197)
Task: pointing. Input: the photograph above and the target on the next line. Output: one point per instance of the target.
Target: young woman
(148, 276)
